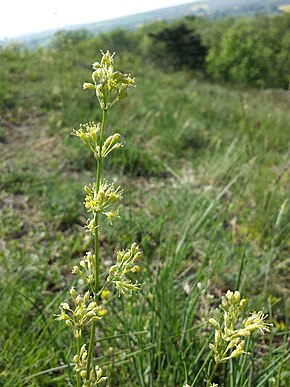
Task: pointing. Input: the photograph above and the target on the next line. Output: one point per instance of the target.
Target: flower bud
(213, 322)
(76, 270)
(244, 332)
(83, 353)
(224, 303)
(243, 302)
(96, 65)
(134, 247)
(229, 295)
(65, 306)
(99, 373)
(91, 305)
(77, 333)
(119, 256)
(137, 256)
(83, 349)
(72, 292)
(89, 86)
(126, 256)
(112, 269)
(236, 297)
(238, 351)
(87, 296)
(96, 75)
(102, 312)
(233, 343)
(91, 313)
(217, 336)
(76, 359)
(105, 294)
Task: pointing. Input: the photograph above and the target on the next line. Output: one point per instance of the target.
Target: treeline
(250, 51)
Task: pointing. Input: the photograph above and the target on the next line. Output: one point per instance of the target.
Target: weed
(110, 86)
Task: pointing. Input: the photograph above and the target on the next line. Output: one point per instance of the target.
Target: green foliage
(124, 41)
(178, 46)
(64, 38)
(252, 52)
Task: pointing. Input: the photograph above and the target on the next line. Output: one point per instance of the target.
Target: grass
(207, 198)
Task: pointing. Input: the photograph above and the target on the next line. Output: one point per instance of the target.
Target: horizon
(33, 17)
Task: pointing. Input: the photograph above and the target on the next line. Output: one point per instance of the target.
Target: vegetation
(207, 171)
(217, 9)
(284, 8)
(110, 87)
(260, 58)
(182, 39)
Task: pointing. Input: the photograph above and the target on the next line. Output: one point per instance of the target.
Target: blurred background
(205, 172)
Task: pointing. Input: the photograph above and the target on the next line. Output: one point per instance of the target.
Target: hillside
(204, 173)
(211, 8)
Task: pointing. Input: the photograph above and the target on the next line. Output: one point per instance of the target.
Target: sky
(20, 17)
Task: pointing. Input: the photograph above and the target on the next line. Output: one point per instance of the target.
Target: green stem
(78, 372)
(90, 350)
(200, 370)
(97, 269)
(103, 288)
(97, 260)
(212, 374)
(98, 181)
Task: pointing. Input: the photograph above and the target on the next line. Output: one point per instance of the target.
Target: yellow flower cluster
(80, 362)
(98, 201)
(125, 264)
(85, 312)
(86, 268)
(110, 86)
(228, 341)
(88, 133)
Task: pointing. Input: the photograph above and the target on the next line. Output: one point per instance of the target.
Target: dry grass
(284, 8)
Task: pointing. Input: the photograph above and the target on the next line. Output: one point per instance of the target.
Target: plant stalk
(96, 241)
(212, 374)
(78, 372)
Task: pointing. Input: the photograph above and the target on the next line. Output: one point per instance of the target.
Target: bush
(178, 46)
(254, 53)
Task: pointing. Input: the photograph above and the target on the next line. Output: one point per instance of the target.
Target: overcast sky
(19, 17)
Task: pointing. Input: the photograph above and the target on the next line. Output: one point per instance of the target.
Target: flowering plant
(230, 332)
(110, 86)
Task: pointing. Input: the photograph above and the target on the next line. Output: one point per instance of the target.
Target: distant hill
(210, 8)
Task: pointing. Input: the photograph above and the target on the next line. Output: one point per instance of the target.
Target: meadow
(206, 171)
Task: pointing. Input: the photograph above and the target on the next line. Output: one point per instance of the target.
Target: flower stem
(212, 374)
(78, 372)
(96, 240)
(98, 181)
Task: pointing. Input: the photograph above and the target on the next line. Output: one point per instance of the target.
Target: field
(206, 177)
(284, 8)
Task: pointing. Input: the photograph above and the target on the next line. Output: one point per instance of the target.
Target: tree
(178, 46)
(252, 52)
(63, 39)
